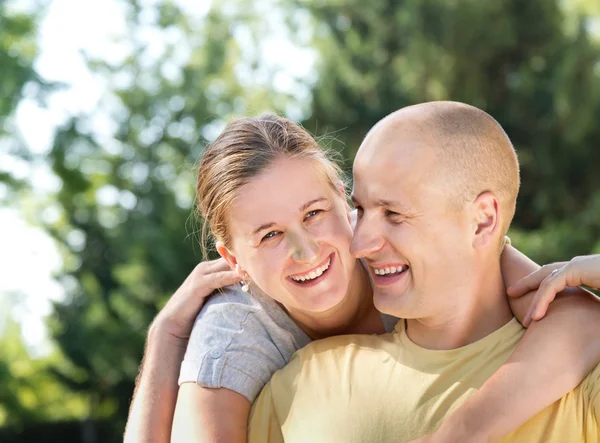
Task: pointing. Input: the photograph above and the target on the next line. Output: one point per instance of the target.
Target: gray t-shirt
(240, 340)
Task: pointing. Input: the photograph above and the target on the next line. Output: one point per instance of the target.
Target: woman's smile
(315, 275)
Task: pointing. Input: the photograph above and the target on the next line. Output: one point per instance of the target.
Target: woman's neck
(356, 314)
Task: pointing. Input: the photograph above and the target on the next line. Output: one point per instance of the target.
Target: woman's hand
(177, 317)
(553, 278)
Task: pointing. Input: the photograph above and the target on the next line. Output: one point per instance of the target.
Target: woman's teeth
(312, 274)
(390, 270)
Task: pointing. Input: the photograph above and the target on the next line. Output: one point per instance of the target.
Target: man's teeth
(312, 274)
(390, 270)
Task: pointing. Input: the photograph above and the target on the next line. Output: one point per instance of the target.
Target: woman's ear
(227, 255)
(486, 219)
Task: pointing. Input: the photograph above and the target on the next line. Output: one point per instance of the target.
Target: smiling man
(435, 189)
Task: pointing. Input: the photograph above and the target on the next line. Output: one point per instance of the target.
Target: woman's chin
(326, 302)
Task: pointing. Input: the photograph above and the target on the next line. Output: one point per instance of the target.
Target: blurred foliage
(17, 52)
(126, 169)
(29, 390)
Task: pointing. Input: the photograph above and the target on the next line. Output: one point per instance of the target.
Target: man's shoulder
(591, 386)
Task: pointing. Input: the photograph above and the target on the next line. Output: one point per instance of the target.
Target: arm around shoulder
(553, 357)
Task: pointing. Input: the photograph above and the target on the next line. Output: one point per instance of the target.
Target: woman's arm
(515, 266)
(237, 343)
(153, 404)
(151, 410)
(550, 279)
(553, 357)
(209, 415)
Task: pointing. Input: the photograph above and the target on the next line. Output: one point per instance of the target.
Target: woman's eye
(313, 213)
(270, 235)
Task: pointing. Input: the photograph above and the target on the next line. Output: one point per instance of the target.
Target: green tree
(29, 392)
(17, 52)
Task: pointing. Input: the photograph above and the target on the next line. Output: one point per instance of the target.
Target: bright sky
(28, 257)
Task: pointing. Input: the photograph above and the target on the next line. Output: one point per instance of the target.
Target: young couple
(435, 188)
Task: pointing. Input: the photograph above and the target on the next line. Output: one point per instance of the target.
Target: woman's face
(290, 231)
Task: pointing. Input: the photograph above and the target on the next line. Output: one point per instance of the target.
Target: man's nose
(304, 248)
(366, 239)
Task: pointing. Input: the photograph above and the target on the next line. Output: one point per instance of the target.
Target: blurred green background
(106, 106)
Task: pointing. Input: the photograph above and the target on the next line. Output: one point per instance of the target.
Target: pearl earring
(245, 279)
(245, 285)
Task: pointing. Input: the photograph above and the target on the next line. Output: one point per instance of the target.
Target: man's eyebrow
(312, 202)
(381, 203)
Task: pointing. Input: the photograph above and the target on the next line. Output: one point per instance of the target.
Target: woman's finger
(224, 278)
(533, 280)
(208, 267)
(549, 288)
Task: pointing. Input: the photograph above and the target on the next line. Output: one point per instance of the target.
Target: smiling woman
(278, 212)
(305, 231)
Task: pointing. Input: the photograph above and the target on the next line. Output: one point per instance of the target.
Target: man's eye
(359, 211)
(393, 216)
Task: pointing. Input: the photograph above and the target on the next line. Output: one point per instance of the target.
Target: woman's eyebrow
(262, 228)
(302, 208)
(311, 202)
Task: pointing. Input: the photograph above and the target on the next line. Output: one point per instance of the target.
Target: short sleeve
(235, 344)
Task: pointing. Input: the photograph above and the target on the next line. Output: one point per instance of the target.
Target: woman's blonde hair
(245, 148)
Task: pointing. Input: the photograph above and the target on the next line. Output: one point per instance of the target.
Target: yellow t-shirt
(384, 388)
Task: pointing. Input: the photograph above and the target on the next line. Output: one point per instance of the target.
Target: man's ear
(227, 255)
(486, 219)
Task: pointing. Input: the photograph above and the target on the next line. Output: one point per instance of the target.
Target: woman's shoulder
(232, 295)
(239, 339)
(236, 308)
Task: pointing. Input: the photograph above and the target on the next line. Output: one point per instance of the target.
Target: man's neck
(478, 310)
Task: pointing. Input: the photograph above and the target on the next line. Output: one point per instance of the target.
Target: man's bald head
(472, 152)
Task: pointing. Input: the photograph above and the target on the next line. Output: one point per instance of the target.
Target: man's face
(417, 246)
